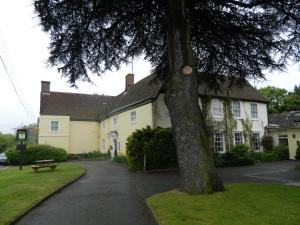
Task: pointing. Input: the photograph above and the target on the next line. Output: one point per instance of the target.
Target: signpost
(22, 138)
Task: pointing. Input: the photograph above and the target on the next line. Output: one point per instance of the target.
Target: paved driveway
(111, 195)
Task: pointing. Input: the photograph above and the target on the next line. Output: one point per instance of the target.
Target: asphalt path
(111, 195)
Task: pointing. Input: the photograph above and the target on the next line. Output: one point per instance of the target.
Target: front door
(115, 147)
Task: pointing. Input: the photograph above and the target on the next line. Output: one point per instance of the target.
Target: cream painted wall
(84, 137)
(293, 137)
(56, 139)
(275, 134)
(123, 127)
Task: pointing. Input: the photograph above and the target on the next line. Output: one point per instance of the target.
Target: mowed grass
(240, 204)
(21, 190)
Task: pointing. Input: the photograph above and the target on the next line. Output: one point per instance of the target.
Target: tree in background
(6, 141)
(187, 42)
(280, 99)
(277, 97)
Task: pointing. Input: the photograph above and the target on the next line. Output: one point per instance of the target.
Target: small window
(236, 109)
(254, 110)
(54, 126)
(218, 142)
(115, 121)
(103, 145)
(256, 141)
(283, 140)
(133, 117)
(103, 124)
(217, 108)
(238, 138)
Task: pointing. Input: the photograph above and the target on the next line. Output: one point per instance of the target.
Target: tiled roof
(235, 91)
(77, 106)
(284, 120)
(93, 107)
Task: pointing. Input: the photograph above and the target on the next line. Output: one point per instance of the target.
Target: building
(285, 130)
(82, 123)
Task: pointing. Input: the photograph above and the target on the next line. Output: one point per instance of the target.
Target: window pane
(218, 142)
(238, 138)
(54, 126)
(253, 110)
(133, 117)
(256, 140)
(216, 107)
(236, 109)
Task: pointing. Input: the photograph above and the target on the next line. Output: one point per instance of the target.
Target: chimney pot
(45, 86)
(129, 81)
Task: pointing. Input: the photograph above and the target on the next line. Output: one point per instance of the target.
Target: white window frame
(254, 113)
(132, 118)
(219, 142)
(241, 141)
(236, 109)
(216, 108)
(256, 141)
(51, 127)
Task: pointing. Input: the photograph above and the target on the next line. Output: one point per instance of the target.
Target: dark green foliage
(280, 99)
(100, 35)
(239, 155)
(267, 143)
(121, 159)
(298, 152)
(157, 144)
(36, 152)
(280, 152)
(6, 141)
(88, 155)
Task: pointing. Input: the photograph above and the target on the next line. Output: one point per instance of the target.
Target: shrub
(239, 155)
(36, 152)
(267, 142)
(265, 156)
(121, 159)
(88, 155)
(157, 144)
(298, 152)
(282, 152)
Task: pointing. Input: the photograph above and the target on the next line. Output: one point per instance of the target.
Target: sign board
(22, 135)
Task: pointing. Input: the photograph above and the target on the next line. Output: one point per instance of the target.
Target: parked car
(3, 159)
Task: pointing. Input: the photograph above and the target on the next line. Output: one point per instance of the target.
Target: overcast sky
(23, 48)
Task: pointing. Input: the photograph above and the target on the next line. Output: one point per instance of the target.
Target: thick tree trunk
(195, 156)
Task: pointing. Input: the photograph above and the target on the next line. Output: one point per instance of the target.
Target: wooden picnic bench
(44, 163)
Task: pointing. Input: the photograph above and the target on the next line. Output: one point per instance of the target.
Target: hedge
(158, 146)
(36, 152)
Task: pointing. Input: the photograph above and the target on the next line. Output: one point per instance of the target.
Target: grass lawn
(240, 204)
(20, 190)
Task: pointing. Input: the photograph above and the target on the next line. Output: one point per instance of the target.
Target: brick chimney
(129, 81)
(45, 86)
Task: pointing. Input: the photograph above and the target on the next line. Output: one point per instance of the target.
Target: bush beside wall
(36, 152)
(239, 155)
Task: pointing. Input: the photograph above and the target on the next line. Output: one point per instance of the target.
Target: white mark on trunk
(187, 70)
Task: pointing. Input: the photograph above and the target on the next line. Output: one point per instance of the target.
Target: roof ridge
(72, 93)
